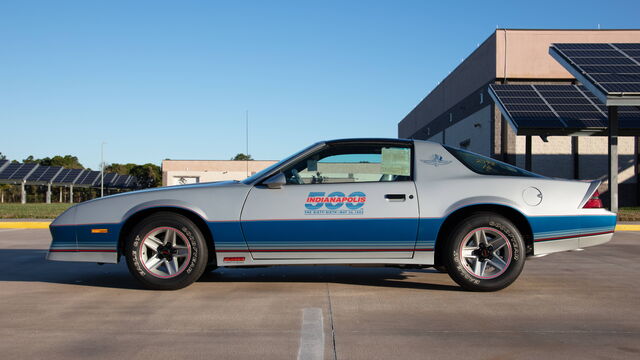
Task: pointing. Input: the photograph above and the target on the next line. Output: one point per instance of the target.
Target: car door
(347, 200)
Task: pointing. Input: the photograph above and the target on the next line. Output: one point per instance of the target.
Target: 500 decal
(336, 203)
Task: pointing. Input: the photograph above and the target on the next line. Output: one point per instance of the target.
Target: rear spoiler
(593, 186)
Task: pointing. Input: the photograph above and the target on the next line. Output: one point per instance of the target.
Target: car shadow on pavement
(376, 276)
(30, 265)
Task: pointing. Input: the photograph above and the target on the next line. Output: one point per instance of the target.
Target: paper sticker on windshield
(396, 161)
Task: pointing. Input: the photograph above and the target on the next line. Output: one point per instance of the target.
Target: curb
(25, 225)
(45, 225)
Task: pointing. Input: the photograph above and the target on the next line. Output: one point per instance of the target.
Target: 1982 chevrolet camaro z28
(356, 201)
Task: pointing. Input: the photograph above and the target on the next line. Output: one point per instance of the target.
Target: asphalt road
(569, 305)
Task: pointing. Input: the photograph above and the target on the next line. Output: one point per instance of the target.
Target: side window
(352, 163)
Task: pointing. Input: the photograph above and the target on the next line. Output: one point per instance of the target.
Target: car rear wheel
(485, 252)
(166, 251)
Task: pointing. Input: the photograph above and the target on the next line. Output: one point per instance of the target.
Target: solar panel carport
(605, 103)
(35, 174)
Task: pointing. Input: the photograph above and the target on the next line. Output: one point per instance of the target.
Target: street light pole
(102, 169)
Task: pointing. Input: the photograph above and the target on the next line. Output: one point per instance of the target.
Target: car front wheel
(166, 251)
(485, 253)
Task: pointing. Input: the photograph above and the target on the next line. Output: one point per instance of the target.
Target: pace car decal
(336, 203)
(436, 161)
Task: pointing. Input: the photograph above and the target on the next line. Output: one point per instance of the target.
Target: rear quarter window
(487, 166)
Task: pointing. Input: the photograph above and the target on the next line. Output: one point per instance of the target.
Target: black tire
(188, 237)
(210, 268)
(495, 229)
(441, 269)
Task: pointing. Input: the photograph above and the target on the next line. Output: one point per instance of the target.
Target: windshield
(269, 169)
(487, 166)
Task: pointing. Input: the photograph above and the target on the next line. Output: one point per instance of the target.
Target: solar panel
(50, 173)
(37, 173)
(3, 163)
(61, 175)
(568, 108)
(613, 69)
(23, 171)
(108, 180)
(70, 176)
(89, 178)
(9, 170)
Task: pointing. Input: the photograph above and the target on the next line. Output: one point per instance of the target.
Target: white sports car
(354, 201)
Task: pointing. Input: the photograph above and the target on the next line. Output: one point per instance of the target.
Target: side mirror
(276, 181)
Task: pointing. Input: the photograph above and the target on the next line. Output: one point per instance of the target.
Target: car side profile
(384, 202)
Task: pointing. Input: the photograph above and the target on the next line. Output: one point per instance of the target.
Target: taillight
(594, 202)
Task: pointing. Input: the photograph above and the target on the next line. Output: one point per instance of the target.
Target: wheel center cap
(165, 252)
(484, 252)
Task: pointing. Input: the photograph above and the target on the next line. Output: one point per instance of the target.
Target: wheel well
(200, 223)
(519, 220)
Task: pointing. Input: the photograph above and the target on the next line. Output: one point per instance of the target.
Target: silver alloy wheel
(485, 253)
(165, 252)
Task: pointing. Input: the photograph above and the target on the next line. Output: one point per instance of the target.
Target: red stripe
(79, 250)
(574, 236)
(322, 250)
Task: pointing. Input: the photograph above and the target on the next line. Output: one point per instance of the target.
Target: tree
(148, 175)
(122, 169)
(3, 156)
(242, 157)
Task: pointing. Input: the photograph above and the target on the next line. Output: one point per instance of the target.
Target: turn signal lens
(594, 202)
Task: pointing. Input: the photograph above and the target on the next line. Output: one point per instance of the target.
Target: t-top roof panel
(559, 110)
(610, 71)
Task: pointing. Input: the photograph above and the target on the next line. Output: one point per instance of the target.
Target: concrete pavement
(569, 305)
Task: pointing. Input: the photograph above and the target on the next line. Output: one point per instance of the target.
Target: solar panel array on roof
(613, 68)
(568, 108)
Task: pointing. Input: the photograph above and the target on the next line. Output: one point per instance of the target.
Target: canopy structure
(610, 71)
(606, 103)
(548, 110)
(35, 174)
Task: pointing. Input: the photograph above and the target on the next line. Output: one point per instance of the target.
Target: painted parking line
(311, 335)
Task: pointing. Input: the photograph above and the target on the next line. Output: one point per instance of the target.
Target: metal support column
(23, 194)
(613, 158)
(49, 193)
(575, 153)
(70, 194)
(527, 152)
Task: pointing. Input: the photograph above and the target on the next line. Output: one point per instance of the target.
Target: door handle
(395, 197)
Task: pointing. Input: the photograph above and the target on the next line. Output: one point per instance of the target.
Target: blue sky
(173, 79)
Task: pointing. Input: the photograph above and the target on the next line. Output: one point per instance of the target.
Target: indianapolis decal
(336, 203)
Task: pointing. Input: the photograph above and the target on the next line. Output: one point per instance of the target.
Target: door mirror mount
(275, 181)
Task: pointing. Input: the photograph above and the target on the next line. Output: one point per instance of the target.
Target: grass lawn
(32, 211)
(629, 214)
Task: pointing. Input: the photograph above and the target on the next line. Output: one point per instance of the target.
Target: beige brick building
(459, 111)
(178, 172)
